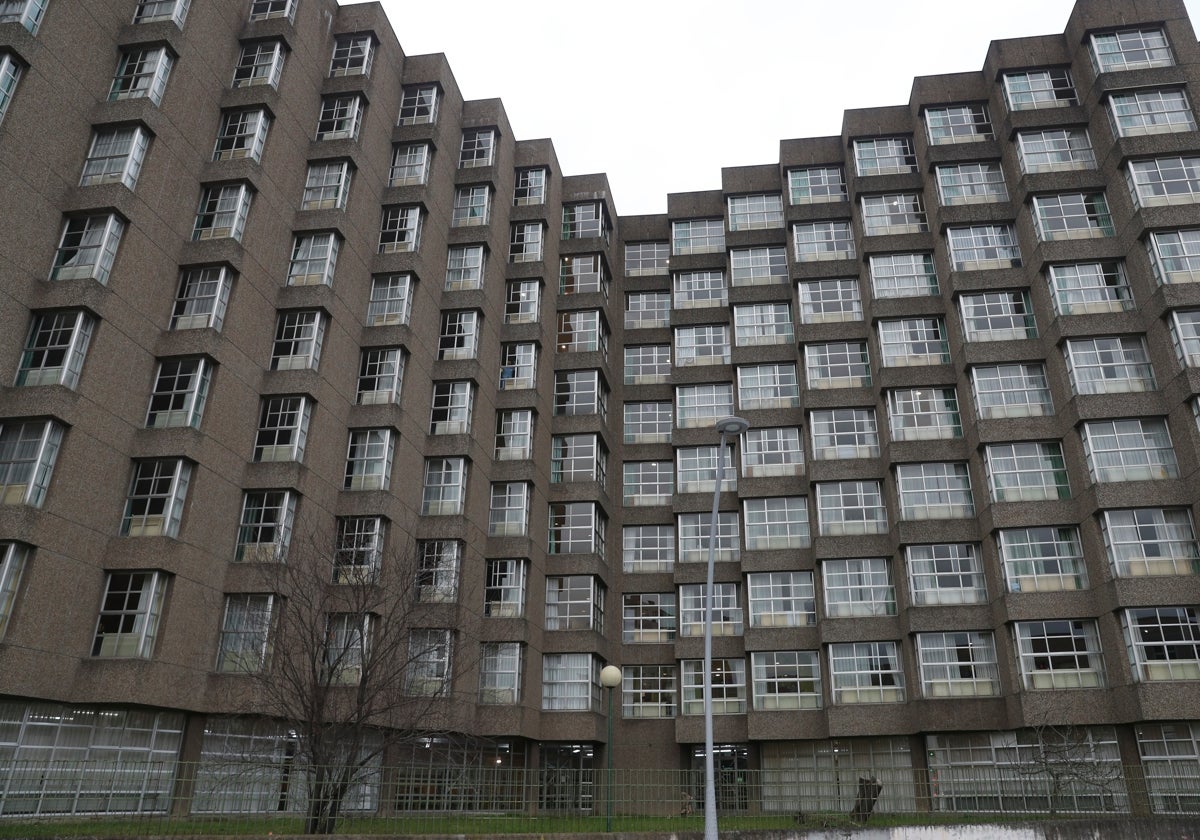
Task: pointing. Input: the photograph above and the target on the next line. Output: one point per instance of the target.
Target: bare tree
(1069, 760)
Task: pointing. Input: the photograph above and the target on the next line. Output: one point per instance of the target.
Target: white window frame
(1130, 49)
(142, 72)
(866, 672)
(884, 156)
(639, 315)
(282, 428)
(692, 540)
(767, 386)
(761, 266)
(728, 686)
(222, 211)
(1175, 256)
(929, 413)
(699, 289)
(400, 229)
(1055, 150)
(1086, 288)
(971, 183)
(1163, 642)
(1059, 654)
(647, 422)
(369, 455)
(419, 104)
(246, 631)
(702, 405)
(910, 342)
(451, 406)
(696, 468)
(130, 611)
(87, 247)
(530, 188)
(858, 587)
(894, 213)
(55, 348)
(179, 392)
(578, 392)
(960, 663)
(576, 528)
(1129, 449)
(525, 242)
(115, 156)
(945, 574)
(1049, 87)
(980, 247)
(786, 679)
(242, 134)
(758, 324)
(775, 451)
(727, 616)
(299, 335)
(839, 364)
(508, 511)
(958, 124)
(1150, 111)
(1042, 559)
(697, 236)
(829, 300)
(341, 117)
(647, 483)
(391, 300)
(444, 487)
(755, 212)
(997, 316)
(478, 148)
(781, 599)
(1143, 542)
(827, 240)
(647, 364)
(504, 587)
(1109, 364)
(314, 259)
(410, 164)
(327, 185)
(816, 185)
(265, 526)
(934, 490)
(1011, 390)
(647, 549)
(518, 366)
(157, 493)
(1072, 216)
(28, 450)
(523, 300)
(353, 54)
(850, 508)
(839, 433)
(514, 434)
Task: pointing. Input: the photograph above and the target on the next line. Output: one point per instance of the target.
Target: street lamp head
(732, 425)
(610, 676)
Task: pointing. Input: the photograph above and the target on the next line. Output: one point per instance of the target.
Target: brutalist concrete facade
(1066, 157)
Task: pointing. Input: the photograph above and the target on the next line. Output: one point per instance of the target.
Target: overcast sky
(660, 95)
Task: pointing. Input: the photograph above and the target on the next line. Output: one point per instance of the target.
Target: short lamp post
(727, 426)
(610, 678)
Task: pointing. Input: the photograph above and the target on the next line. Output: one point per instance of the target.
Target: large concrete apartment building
(265, 275)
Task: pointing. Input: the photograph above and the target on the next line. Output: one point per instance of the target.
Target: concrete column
(189, 762)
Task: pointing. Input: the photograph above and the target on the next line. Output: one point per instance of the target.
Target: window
(697, 289)
(944, 574)
(647, 310)
(142, 73)
(786, 679)
(267, 9)
(358, 549)
(55, 348)
(971, 183)
(428, 671)
(202, 297)
(570, 682)
(754, 212)
(180, 391)
(693, 540)
(582, 331)
(577, 528)
(649, 691)
(261, 63)
(1110, 365)
(266, 525)
(1175, 255)
(647, 483)
(958, 124)
(1135, 449)
(1059, 654)
(1185, 334)
(647, 548)
(501, 667)
(246, 633)
(762, 323)
(1083, 288)
(352, 54)
(410, 164)
(1017, 390)
(327, 186)
(891, 214)
(298, 338)
(242, 134)
(437, 570)
(582, 274)
(478, 148)
(829, 301)
(866, 672)
(758, 266)
(702, 405)
(445, 486)
(530, 188)
(902, 275)
(1049, 88)
(1163, 643)
(772, 452)
(314, 258)
(369, 459)
(697, 466)
(697, 236)
(525, 242)
(222, 212)
(460, 334)
(1071, 216)
(839, 364)
(341, 117)
(983, 246)
(647, 364)
(580, 392)
(781, 599)
(10, 74)
(504, 591)
(391, 300)
(858, 587)
(585, 221)
(575, 602)
(703, 345)
(843, 433)
(1151, 541)
(28, 449)
(115, 156)
(1055, 149)
(776, 523)
(1048, 559)
(823, 240)
(87, 248)
(884, 156)
(508, 515)
(816, 185)
(157, 492)
(647, 422)
(923, 414)
(419, 105)
(129, 614)
(726, 614)
(400, 229)
(934, 491)
(464, 267)
(522, 301)
(1150, 111)
(472, 206)
(345, 647)
(850, 507)
(1168, 180)
(913, 341)
(997, 316)
(13, 558)
(518, 366)
(28, 13)
(577, 458)
(728, 681)
(646, 258)
(450, 408)
(958, 664)
(514, 435)
(1130, 49)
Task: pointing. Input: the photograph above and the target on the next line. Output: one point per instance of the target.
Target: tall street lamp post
(610, 678)
(727, 426)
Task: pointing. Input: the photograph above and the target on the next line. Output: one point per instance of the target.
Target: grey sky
(661, 95)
